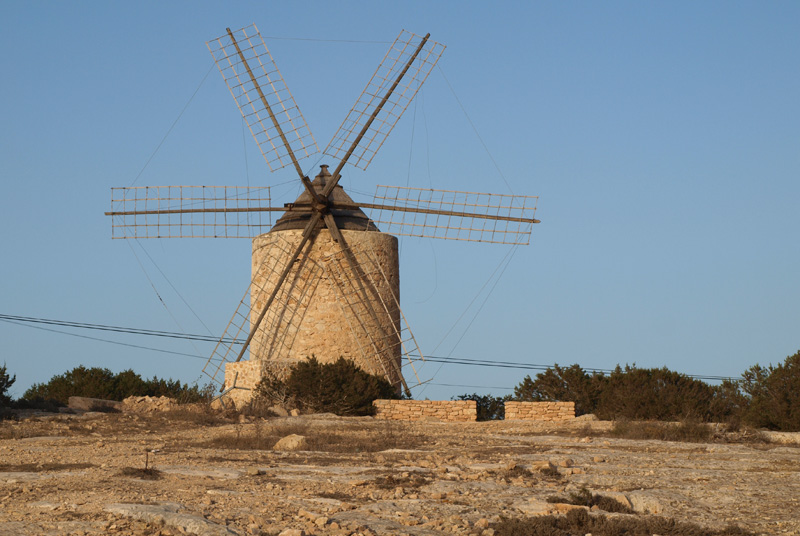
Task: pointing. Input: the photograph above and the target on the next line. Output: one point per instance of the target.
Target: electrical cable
(485, 147)
(173, 125)
(326, 40)
(450, 360)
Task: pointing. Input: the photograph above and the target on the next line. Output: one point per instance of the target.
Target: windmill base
(243, 377)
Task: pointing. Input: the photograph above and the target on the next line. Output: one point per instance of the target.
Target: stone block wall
(318, 310)
(420, 410)
(247, 375)
(540, 411)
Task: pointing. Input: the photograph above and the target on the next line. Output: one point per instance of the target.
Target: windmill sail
(396, 59)
(190, 211)
(453, 215)
(263, 99)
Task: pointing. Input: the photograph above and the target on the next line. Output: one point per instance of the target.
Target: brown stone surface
(81, 474)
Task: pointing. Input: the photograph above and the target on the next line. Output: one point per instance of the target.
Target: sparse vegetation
(262, 435)
(517, 471)
(689, 431)
(41, 467)
(584, 497)
(98, 382)
(580, 522)
(149, 473)
(408, 481)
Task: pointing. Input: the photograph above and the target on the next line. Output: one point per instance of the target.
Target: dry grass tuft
(336, 495)
(688, 431)
(551, 474)
(519, 472)
(580, 522)
(584, 497)
(144, 474)
(42, 467)
(262, 435)
(408, 481)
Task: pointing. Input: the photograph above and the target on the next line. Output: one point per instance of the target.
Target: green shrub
(774, 395)
(643, 394)
(340, 387)
(98, 382)
(6, 382)
(565, 384)
(490, 408)
(660, 394)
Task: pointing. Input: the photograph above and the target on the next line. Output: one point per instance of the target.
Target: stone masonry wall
(319, 310)
(418, 410)
(540, 411)
(247, 375)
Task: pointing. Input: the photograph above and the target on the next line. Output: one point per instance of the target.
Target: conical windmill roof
(350, 218)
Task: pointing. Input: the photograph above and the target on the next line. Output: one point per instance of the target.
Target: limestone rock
(293, 532)
(168, 515)
(148, 404)
(82, 403)
(280, 411)
(291, 442)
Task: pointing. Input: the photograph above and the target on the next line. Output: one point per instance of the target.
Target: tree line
(764, 397)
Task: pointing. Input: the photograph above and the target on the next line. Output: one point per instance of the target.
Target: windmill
(325, 278)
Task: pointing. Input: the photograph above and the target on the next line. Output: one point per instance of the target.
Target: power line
(103, 340)
(118, 329)
(444, 360)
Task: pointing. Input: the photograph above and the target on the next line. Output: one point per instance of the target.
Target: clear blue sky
(663, 139)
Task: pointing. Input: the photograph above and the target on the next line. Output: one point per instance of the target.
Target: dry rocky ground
(84, 474)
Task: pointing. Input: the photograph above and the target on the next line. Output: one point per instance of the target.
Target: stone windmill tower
(325, 279)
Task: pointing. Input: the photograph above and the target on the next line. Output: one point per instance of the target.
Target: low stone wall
(420, 410)
(540, 411)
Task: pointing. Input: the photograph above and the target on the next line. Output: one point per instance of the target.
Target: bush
(98, 382)
(774, 395)
(340, 387)
(6, 382)
(630, 393)
(490, 408)
(564, 384)
(660, 394)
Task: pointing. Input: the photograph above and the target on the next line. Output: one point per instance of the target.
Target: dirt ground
(173, 473)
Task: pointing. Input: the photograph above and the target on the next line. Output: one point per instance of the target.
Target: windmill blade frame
(453, 214)
(406, 55)
(400, 339)
(273, 328)
(263, 98)
(191, 211)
